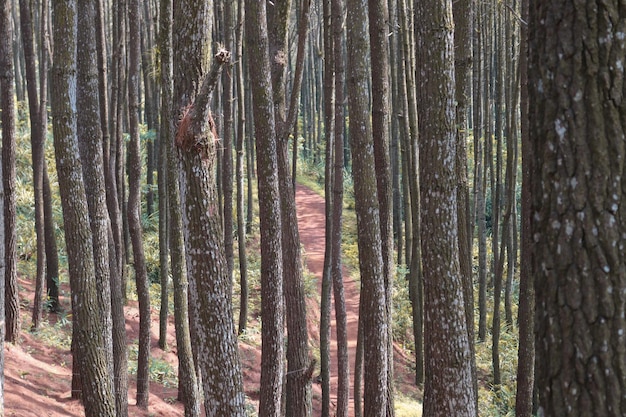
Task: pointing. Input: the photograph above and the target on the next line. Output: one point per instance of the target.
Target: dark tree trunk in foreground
(196, 144)
(272, 309)
(575, 78)
(463, 11)
(11, 301)
(7, 105)
(448, 388)
(373, 309)
(97, 389)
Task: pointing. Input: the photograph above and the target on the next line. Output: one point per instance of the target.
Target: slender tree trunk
(38, 130)
(379, 39)
(165, 130)
(241, 135)
(371, 259)
(227, 141)
(327, 283)
(525, 314)
(134, 209)
(343, 362)
(269, 210)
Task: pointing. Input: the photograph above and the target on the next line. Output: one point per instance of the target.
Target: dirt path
(310, 209)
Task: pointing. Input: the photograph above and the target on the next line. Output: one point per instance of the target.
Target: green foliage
(159, 370)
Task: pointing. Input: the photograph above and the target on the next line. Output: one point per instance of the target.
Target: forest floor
(38, 372)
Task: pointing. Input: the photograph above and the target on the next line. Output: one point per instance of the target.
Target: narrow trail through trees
(310, 209)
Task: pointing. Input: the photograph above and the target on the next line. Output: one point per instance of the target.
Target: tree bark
(11, 301)
(448, 388)
(7, 104)
(134, 208)
(37, 141)
(272, 308)
(371, 259)
(196, 146)
(526, 308)
(97, 390)
(577, 130)
(463, 12)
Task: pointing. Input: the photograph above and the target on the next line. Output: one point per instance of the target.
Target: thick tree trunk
(89, 331)
(7, 105)
(463, 11)
(11, 301)
(90, 147)
(196, 144)
(448, 388)
(577, 129)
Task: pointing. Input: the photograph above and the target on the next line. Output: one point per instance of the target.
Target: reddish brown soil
(38, 377)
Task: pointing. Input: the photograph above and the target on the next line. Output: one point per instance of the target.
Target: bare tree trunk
(241, 135)
(11, 301)
(371, 259)
(37, 137)
(448, 388)
(343, 362)
(134, 208)
(89, 331)
(327, 283)
(269, 211)
(7, 104)
(525, 314)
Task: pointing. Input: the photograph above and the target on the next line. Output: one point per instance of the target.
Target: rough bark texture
(12, 304)
(165, 132)
(7, 105)
(272, 313)
(577, 131)
(373, 296)
(97, 391)
(343, 362)
(241, 132)
(90, 146)
(298, 377)
(463, 11)
(196, 143)
(134, 208)
(379, 37)
(227, 141)
(329, 121)
(187, 378)
(448, 388)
